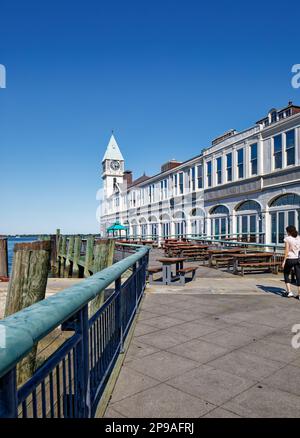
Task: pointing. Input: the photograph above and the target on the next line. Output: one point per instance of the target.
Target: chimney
(170, 165)
(127, 177)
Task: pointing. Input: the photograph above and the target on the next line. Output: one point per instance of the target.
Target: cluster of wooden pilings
(63, 256)
(80, 257)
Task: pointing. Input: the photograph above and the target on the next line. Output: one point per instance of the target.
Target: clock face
(115, 165)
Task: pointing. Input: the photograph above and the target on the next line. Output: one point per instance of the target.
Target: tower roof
(112, 151)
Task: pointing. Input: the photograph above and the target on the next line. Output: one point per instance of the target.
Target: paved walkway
(219, 347)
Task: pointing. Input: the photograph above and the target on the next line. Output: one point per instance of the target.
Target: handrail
(24, 329)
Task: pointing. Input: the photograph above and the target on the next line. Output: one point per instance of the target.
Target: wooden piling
(68, 264)
(103, 258)
(63, 254)
(76, 257)
(89, 256)
(58, 251)
(3, 258)
(27, 286)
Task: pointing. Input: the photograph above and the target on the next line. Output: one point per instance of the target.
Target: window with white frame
(200, 176)
(253, 159)
(290, 147)
(193, 179)
(175, 184)
(209, 174)
(163, 189)
(181, 188)
(219, 170)
(277, 151)
(240, 163)
(229, 167)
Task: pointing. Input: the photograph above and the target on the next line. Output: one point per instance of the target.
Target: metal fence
(71, 381)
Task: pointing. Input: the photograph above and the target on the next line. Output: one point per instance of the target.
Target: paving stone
(286, 379)
(162, 402)
(272, 350)
(142, 328)
(246, 365)
(215, 386)
(139, 349)
(112, 413)
(228, 338)
(131, 382)
(262, 401)
(193, 329)
(199, 350)
(162, 322)
(165, 338)
(220, 413)
(162, 365)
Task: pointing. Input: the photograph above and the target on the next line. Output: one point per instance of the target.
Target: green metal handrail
(26, 328)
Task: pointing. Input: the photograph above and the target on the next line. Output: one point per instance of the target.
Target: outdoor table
(265, 256)
(221, 252)
(167, 263)
(147, 242)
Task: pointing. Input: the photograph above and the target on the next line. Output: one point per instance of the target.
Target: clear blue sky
(166, 75)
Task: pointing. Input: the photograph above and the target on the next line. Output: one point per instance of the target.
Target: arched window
(249, 222)
(219, 209)
(180, 224)
(219, 221)
(284, 211)
(249, 205)
(291, 199)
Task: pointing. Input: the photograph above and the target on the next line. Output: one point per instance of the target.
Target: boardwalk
(219, 347)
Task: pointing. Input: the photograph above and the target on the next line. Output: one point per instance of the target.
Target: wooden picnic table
(167, 263)
(217, 253)
(147, 242)
(249, 257)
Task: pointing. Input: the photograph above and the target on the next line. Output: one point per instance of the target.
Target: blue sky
(167, 76)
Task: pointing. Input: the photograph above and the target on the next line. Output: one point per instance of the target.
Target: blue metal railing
(71, 381)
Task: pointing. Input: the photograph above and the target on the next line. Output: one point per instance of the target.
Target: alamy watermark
(2, 76)
(296, 77)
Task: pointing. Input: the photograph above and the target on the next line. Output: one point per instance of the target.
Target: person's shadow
(272, 289)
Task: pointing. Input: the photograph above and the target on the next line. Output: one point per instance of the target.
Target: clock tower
(112, 167)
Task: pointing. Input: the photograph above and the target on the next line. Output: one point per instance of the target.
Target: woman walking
(291, 259)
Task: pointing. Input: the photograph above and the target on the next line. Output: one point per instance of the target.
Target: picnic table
(254, 261)
(225, 254)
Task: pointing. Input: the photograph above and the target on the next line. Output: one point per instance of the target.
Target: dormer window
(274, 117)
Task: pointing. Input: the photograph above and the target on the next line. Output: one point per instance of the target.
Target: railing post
(120, 312)
(8, 395)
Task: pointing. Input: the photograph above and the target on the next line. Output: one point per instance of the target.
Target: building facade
(245, 184)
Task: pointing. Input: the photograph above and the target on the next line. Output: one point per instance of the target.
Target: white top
(113, 152)
(293, 246)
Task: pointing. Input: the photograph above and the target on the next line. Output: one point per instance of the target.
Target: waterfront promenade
(218, 347)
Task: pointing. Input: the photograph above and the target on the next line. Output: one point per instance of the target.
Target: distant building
(244, 184)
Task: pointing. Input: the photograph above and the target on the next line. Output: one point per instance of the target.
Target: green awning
(117, 227)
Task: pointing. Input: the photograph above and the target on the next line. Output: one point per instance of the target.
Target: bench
(182, 273)
(272, 266)
(221, 261)
(153, 270)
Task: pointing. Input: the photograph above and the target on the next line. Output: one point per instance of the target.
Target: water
(11, 243)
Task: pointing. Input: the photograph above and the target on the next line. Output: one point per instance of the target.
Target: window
(175, 184)
(209, 174)
(181, 183)
(163, 189)
(284, 211)
(253, 152)
(290, 147)
(240, 163)
(219, 170)
(274, 117)
(229, 166)
(193, 179)
(151, 193)
(277, 152)
(200, 176)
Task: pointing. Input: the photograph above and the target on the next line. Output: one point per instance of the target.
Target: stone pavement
(218, 347)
